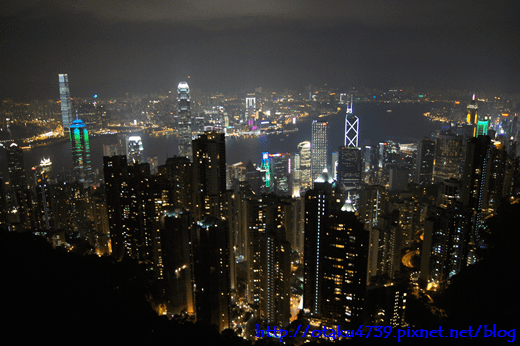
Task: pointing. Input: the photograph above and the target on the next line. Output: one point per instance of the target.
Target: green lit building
(80, 148)
(482, 127)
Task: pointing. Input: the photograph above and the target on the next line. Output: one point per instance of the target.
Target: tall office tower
(209, 174)
(177, 261)
(305, 165)
(65, 103)
(80, 148)
(131, 208)
(177, 172)
(296, 176)
(134, 149)
(398, 179)
(387, 303)
(387, 237)
(409, 218)
(351, 128)
(275, 303)
(254, 177)
(445, 244)
(184, 119)
(267, 170)
(115, 171)
(388, 155)
(369, 164)
(3, 202)
(268, 273)
(373, 200)
(16, 173)
(281, 171)
(19, 197)
(447, 157)
(349, 167)
(44, 217)
(478, 172)
(482, 126)
(336, 250)
(472, 108)
(425, 160)
(319, 145)
(250, 108)
(211, 259)
(334, 164)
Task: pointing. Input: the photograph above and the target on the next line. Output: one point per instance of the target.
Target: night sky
(112, 47)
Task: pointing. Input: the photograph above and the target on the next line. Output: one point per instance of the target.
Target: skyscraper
(184, 119)
(134, 149)
(305, 165)
(482, 126)
(250, 107)
(209, 174)
(17, 183)
(211, 257)
(319, 146)
(349, 166)
(65, 102)
(351, 128)
(447, 157)
(335, 257)
(80, 148)
(425, 160)
(472, 108)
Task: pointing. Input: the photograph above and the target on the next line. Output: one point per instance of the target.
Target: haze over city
(110, 48)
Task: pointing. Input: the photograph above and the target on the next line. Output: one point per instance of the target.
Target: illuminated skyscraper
(335, 257)
(250, 107)
(482, 127)
(305, 165)
(134, 149)
(472, 108)
(447, 157)
(184, 119)
(349, 166)
(80, 148)
(65, 102)
(211, 256)
(319, 146)
(209, 174)
(425, 160)
(351, 128)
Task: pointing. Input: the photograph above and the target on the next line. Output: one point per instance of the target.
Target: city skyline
(217, 177)
(111, 49)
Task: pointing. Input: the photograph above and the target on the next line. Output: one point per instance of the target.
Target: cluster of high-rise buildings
(226, 244)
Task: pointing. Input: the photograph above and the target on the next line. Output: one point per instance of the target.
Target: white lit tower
(184, 119)
(349, 159)
(134, 150)
(351, 127)
(65, 103)
(250, 107)
(319, 145)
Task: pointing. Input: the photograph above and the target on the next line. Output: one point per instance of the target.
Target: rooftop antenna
(349, 105)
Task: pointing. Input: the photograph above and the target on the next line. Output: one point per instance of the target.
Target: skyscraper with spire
(351, 127)
(184, 119)
(349, 161)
